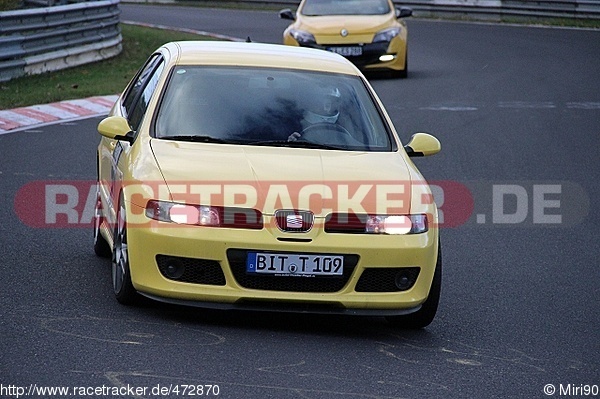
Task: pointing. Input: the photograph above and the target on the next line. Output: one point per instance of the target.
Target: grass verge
(99, 78)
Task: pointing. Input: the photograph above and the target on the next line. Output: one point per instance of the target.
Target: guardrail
(476, 9)
(500, 10)
(44, 39)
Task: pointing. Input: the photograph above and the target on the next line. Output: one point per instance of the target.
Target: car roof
(257, 55)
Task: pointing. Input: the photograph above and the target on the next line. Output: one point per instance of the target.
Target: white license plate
(294, 264)
(347, 51)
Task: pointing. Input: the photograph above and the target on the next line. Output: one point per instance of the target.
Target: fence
(37, 40)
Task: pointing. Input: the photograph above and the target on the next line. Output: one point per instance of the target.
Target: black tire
(424, 316)
(121, 275)
(101, 246)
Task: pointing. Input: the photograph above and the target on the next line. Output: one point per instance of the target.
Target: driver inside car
(323, 110)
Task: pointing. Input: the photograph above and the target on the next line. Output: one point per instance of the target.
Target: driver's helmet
(325, 108)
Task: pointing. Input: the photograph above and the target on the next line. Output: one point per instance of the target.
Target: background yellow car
(257, 176)
(370, 33)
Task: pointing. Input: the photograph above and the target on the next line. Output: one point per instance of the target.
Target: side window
(140, 107)
(141, 89)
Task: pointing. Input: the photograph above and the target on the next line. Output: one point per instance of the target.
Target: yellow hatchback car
(269, 177)
(370, 33)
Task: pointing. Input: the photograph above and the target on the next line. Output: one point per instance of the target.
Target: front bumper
(370, 52)
(217, 258)
(285, 307)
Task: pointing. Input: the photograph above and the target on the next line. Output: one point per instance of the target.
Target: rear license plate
(294, 264)
(347, 51)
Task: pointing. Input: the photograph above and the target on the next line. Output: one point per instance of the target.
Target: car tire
(121, 275)
(425, 315)
(101, 246)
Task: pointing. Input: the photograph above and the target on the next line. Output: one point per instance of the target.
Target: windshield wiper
(199, 139)
(297, 144)
(277, 143)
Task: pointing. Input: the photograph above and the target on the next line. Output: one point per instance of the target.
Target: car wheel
(121, 275)
(101, 247)
(424, 316)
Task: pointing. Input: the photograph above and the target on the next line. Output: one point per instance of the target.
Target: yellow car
(370, 33)
(263, 176)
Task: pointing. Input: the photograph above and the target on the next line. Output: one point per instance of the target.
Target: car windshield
(345, 7)
(273, 107)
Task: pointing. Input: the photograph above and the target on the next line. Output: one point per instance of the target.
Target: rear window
(265, 106)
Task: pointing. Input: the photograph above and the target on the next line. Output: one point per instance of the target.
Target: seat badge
(293, 222)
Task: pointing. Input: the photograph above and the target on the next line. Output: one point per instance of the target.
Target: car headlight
(397, 224)
(303, 37)
(202, 215)
(386, 35)
(377, 224)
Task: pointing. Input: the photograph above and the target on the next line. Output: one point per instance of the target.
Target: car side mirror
(403, 12)
(287, 14)
(422, 145)
(116, 128)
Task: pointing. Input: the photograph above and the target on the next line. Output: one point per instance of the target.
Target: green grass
(8, 5)
(99, 78)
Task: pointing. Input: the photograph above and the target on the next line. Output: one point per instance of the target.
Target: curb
(18, 119)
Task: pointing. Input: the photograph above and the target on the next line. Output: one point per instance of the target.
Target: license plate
(347, 51)
(301, 265)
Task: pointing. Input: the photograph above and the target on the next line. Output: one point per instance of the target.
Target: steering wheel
(321, 132)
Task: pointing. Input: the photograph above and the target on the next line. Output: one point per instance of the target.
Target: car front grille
(237, 262)
(190, 270)
(387, 279)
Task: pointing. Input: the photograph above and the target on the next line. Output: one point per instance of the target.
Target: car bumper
(371, 53)
(215, 259)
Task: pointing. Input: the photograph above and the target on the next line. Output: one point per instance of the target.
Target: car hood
(354, 24)
(271, 178)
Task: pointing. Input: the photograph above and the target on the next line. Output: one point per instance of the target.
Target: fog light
(387, 58)
(174, 270)
(404, 280)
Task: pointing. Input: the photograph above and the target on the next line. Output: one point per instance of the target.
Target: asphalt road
(517, 110)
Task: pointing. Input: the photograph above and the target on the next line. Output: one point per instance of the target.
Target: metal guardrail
(475, 9)
(44, 39)
(500, 10)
